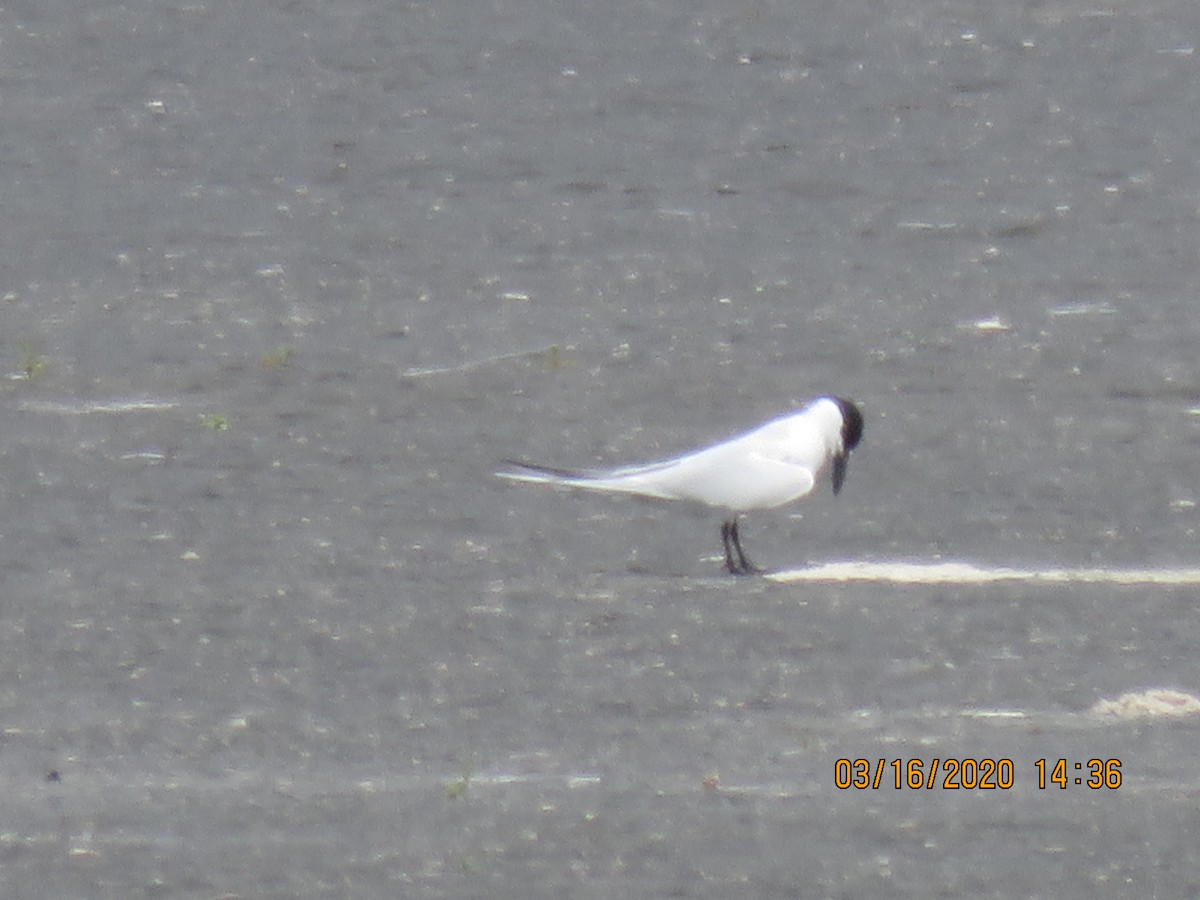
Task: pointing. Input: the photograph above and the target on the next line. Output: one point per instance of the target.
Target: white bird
(768, 466)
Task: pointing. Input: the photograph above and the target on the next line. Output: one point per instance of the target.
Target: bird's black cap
(852, 424)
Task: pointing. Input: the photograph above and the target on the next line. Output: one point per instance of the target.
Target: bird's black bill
(839, 471)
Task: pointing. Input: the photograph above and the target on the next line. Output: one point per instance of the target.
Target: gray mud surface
(281, 285)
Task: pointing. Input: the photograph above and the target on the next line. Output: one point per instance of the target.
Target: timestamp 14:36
(973, 774)
(1095, 773)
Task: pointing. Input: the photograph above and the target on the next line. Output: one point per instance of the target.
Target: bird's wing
(735, 475)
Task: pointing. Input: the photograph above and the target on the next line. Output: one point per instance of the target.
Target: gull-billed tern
(768, 466)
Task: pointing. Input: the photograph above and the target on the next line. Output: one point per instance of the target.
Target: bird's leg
(728, 529)
(733, 545)
(745, 567)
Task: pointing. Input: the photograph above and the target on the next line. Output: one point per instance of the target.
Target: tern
(773, 464)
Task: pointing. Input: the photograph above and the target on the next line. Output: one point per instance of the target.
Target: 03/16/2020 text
(967, 773)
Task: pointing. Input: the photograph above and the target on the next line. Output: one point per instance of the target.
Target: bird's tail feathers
(626, 480)
(524, 471)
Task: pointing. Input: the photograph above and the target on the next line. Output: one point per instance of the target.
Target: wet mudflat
(269, 626)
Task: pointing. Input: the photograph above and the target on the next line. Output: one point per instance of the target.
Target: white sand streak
(969, 573)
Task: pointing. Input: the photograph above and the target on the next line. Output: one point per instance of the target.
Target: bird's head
(852, 429)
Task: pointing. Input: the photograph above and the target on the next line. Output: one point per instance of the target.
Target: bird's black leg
(733, 545)
(745, 567)
(727, 540)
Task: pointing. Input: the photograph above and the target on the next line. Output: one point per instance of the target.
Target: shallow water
(281, 289)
